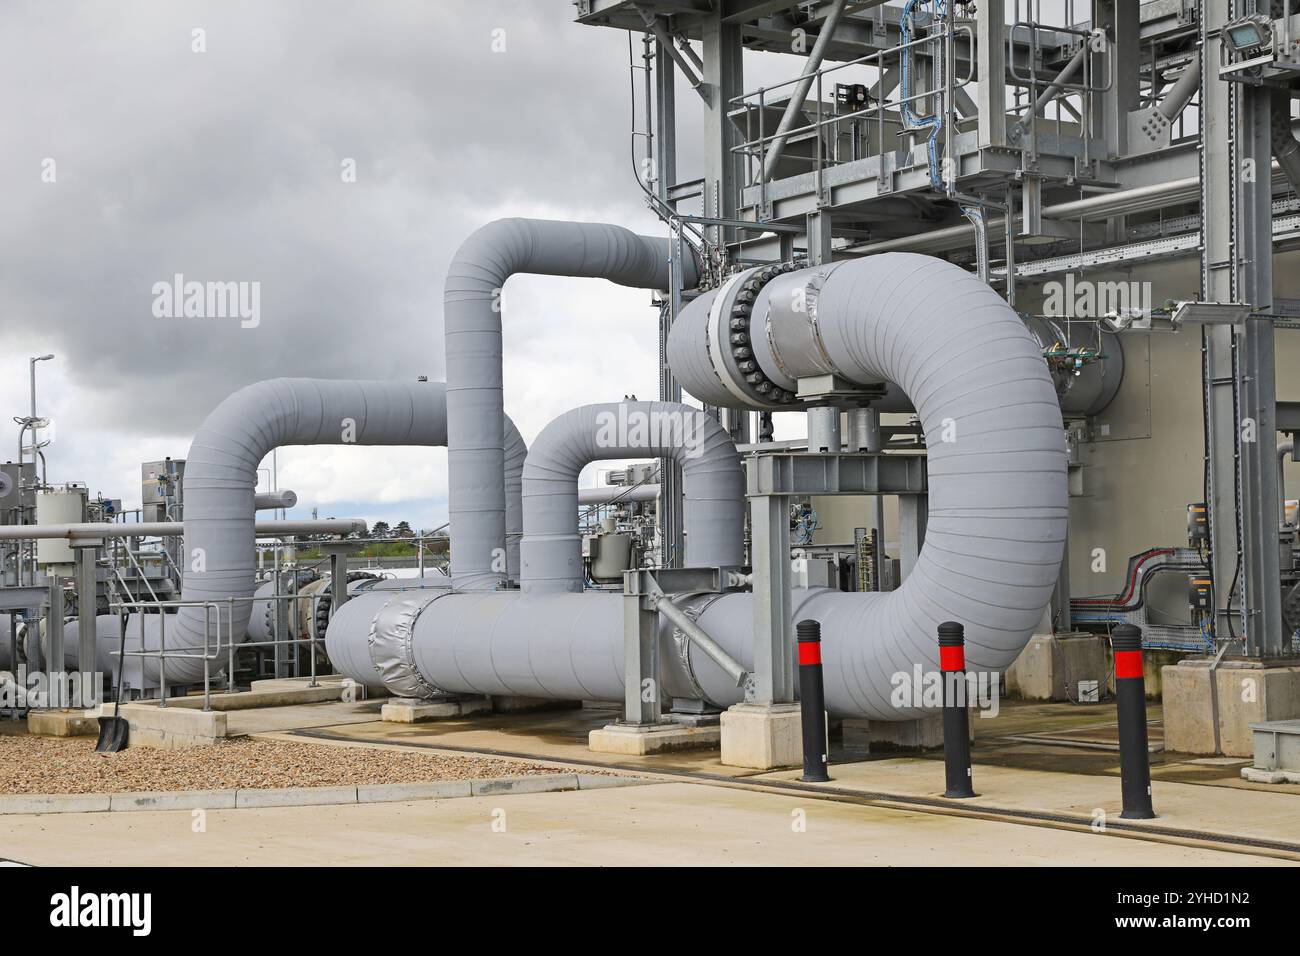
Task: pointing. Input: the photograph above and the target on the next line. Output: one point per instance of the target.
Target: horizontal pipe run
(93, 530)
(269, 500)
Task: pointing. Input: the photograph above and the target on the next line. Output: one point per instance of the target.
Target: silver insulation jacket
(712, 480)
(993, 546)
(472, 329)
(221, 475)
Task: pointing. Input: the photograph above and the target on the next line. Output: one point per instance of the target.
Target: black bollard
(812, 701)
(1131, 704)
(956, 719)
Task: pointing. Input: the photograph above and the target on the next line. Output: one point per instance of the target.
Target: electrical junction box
(813, 573)
(160, 481)
(17, 491)
(1089, 691)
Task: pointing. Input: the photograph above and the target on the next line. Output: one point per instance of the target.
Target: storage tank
(63, 506)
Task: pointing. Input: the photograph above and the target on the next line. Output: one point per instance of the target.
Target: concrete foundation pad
(62, 723)
(412, 710)
(170, 727)
(926, 733)
(506, 705)
(637, 741)
(762, 737)
(1270, 776)
(1247, 692)
(1052, 665)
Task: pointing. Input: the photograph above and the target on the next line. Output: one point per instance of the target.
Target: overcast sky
(228, 165)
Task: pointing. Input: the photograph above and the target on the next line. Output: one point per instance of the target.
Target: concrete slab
(661, 738)
(62, 723)
(762, 737)
(675, 824)
(876, 736)
(1258, 813)
(168, 727)
(301, 716)
(410, 710)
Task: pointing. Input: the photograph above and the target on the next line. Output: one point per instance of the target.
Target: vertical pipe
(812, 701)
(956, 719)
(1130, 698)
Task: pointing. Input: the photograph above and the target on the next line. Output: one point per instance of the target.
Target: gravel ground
(71, 765)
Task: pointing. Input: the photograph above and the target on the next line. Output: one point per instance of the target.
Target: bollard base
(1137, 815)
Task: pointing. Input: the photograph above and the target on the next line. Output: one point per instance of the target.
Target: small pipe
(159, 529)
(266, 501)
(712, 649)
(1284, 449)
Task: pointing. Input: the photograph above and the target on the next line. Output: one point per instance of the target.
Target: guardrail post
(812, 701)
(956, 718)
(1131, 706)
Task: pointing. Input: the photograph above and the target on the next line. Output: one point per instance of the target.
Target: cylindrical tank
(613, 556)
(67, 506)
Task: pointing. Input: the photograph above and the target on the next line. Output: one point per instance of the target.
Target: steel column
(773, 672)
(724, 79)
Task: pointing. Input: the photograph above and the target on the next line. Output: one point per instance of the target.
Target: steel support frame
(724, 78)
(991, 66)
(1240, 394)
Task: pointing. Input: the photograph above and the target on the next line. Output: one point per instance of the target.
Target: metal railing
(887, 114)
(213, 649)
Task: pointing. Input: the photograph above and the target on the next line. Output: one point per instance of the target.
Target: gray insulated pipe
(712, 481)
(997, 493)
(472, 324)
(995, 445)
(221, 474)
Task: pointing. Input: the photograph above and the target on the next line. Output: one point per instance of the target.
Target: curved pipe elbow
(472, 322)
(712, 480)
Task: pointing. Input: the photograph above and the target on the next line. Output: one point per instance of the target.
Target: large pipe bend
(997, 462)
(712, 480)
(472, 322)
(221, 475)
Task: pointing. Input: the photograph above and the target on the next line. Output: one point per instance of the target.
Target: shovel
(114, 732)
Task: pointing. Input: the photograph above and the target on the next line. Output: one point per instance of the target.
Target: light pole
(38, 358)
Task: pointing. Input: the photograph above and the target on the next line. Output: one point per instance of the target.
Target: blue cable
(910, 120)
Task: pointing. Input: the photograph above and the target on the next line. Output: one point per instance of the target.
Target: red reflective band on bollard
(1128, 663)
(810, 652)
(952, 658)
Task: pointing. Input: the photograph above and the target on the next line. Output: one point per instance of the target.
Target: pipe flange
(730, 338)
(391, 643)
